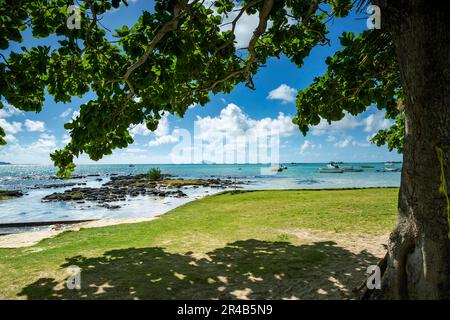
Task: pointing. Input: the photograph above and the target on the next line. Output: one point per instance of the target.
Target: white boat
(276, 168)
(392, 163)
(392, 169)
(332, 165)
(331, 168)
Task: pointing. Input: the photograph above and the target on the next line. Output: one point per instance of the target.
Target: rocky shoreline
(11, 193)
(121, 187)
(57, 185)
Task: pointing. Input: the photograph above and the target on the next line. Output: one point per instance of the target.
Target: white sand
(27, 239)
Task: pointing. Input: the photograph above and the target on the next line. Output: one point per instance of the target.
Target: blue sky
(270, 107)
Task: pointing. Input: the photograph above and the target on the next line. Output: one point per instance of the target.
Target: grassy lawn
(232, 245)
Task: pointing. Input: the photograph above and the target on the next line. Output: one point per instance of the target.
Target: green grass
(218, 247)
(5, 198)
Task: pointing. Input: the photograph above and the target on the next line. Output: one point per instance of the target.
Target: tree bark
(418, 264)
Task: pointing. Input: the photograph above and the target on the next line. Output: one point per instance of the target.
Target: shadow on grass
(249, 269)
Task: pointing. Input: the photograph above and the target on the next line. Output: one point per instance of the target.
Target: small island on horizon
(4, 163)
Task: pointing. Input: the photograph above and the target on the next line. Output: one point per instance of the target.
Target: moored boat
(351, 169)
(330, 170)
(276, 168)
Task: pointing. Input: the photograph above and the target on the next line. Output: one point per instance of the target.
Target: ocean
(29, 208)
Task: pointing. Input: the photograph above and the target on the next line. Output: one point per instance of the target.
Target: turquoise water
(297, 176)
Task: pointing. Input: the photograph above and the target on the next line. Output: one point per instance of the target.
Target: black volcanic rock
(57, 185)
(119, 187)
(11, 193)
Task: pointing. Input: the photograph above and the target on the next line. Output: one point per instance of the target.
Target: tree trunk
(418, 264)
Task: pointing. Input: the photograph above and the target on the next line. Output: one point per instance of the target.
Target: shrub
(154, 174)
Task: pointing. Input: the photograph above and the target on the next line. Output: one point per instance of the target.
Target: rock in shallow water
(119, 187)
(11, 193)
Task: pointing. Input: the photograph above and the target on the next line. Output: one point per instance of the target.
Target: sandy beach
(28, 239)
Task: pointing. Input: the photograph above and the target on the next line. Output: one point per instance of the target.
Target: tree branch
(233, 27)
(260, 29)
(167, 27)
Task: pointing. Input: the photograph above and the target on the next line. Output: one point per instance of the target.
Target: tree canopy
(176, 55)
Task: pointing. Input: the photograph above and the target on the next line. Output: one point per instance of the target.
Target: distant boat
(330, 170)
(276, 168)
(207, 162)
(351, 169)
(391, 169)
(332, 165)
(131, 165)
(391, 163)
(367, 167)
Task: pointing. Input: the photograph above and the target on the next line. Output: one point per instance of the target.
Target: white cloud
(135, 150)
(35, 152)
(163, 140)
(160, 136)
(75, 114)
(227, 136)
(140, 130)
(371, 123)
(347, 123)
(307, 145)
(65, 139)
(162, 133)
(350, 141)
(331, 138)
(233, 122)
(344, 143)
(8, 110)
(244, 27)
(370, 136)
(11, 127)
(45, 144)
(9, 138)
(34, 126)
(66, 113)
(283, 93)
(376, 121)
